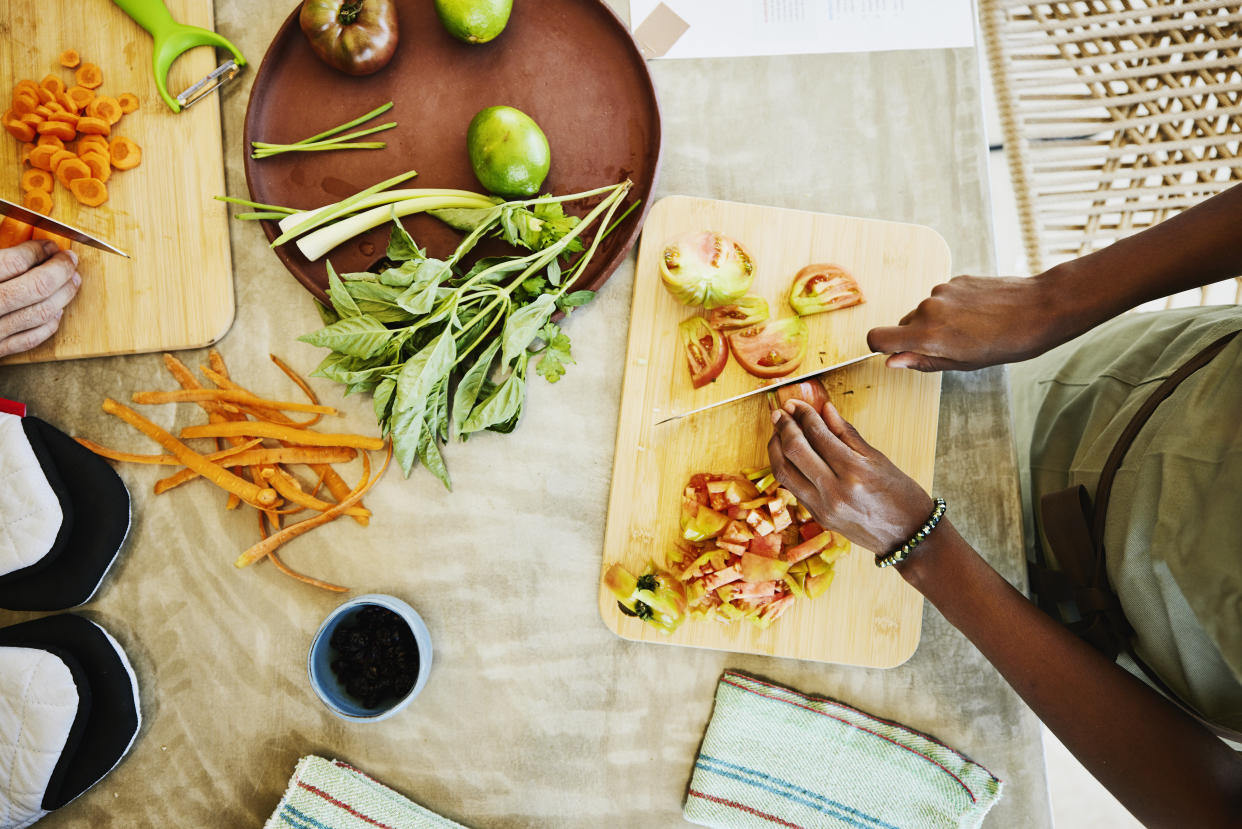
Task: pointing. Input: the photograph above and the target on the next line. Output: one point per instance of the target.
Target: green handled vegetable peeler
(172, 39)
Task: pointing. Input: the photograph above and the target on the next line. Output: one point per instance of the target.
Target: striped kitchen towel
(774, 757)
(329, 794)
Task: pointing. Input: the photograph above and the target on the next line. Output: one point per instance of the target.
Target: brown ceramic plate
(569, 64)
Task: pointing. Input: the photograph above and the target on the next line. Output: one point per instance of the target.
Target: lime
(508, 151)
(474, 21)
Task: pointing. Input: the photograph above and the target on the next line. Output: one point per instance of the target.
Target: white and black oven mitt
(64, 515)
(69, 712)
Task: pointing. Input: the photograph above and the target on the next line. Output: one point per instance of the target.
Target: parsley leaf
(556, 354)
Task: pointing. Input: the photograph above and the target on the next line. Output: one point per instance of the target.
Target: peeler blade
(219, 76)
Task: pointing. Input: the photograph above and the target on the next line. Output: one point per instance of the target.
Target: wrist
(931, 558)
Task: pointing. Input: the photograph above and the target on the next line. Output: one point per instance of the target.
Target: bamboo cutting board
(176, 290)
(868, 617)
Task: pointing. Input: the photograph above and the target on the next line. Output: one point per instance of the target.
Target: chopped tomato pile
(748, 550)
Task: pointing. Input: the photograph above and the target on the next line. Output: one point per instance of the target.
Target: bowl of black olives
(370, 658)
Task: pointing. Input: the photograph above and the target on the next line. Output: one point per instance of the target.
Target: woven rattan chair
(1116, 115)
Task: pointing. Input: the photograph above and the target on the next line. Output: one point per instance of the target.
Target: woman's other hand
(971, 322)
(847, 484)
(37, 281)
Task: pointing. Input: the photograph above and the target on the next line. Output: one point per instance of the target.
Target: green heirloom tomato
(819, 288)
(357, 37)
(706, 268)
(747, 311)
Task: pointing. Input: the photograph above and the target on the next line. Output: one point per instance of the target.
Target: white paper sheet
(744, 28)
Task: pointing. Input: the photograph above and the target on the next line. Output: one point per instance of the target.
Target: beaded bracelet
(903, 552)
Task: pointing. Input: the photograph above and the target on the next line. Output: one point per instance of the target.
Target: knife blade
(763, 389)
(16, 211)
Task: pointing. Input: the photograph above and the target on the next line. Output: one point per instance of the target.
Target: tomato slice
(706, 353)
(747, 311)
(819, 288)
(771, 349)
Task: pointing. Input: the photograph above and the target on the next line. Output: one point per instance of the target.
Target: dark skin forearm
(1194, 248)
(1159, 763)
(970, 321)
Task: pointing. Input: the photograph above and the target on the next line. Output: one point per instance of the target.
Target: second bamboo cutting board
(176, 290)
(869, 617)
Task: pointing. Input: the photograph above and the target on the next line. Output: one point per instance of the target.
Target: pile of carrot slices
(67, 137)
(258, 450)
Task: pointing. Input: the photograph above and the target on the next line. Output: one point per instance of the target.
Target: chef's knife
(16, 211)
(772, 387)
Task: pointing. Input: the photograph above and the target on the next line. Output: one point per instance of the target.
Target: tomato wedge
(771, 349)
(747, 311)
(706, 353)
(819, 288)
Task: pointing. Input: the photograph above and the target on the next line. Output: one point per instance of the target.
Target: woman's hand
(37, 281)
(971, 322)
(847, 485)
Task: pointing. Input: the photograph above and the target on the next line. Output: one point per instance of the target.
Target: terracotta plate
(569, 64)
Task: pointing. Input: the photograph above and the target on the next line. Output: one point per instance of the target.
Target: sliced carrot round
(40, 201)
(43, 110)
(60, 129)
(24, 102)
(46, 96)
(28, 147)
(36, 179)
(80, 95)
(19, 130)
(72, 169)
(97, 142)
(67, 102)
(89, 76)
(106, 108)
(93, 126)
(70, 58)
(61, 241)
(50, 141)
(89, 191)
(52, 84)
(41, 157)
(27, 84)
(31, 119)
(69, 118)
(100, 164)
(60, 157)
(128, 102)
(13, 232)
(125, 153)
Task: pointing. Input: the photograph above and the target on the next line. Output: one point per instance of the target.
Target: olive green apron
(1173, 522)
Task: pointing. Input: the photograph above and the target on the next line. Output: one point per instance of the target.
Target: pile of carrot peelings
(259, 449)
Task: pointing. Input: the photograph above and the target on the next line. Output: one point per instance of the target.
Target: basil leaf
(465, 219)
(326, 313)
(342, 302)
(424, 289)
(359, 336)
(503, 404)
(442, 410)
(554, 272)
(523, 326)
(574, 299)
(421, 372)
(400, 246)
(470, 384)
(400, 276)
(406, 431)
(429, 454)
(382, 402)
(502, 264)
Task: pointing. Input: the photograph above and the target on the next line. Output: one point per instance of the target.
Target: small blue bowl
(319, 661)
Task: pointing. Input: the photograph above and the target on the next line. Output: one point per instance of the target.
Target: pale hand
(37, 281)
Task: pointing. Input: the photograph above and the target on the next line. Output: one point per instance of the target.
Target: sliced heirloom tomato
(771, 349)
(819, 288)
(809, 391)
(747, 311)
(706, 353)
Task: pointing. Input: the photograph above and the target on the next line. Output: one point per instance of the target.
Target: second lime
(508, 151)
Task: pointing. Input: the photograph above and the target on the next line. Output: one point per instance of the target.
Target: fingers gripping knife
(172, 39)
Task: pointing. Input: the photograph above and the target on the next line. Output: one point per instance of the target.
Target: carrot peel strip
(267, 545)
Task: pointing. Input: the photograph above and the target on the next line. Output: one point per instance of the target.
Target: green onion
(325, 214)
(329, 139)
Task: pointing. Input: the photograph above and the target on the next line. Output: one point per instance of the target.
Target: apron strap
(1074, 529)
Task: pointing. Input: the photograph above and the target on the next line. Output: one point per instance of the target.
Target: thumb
(924, 362)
